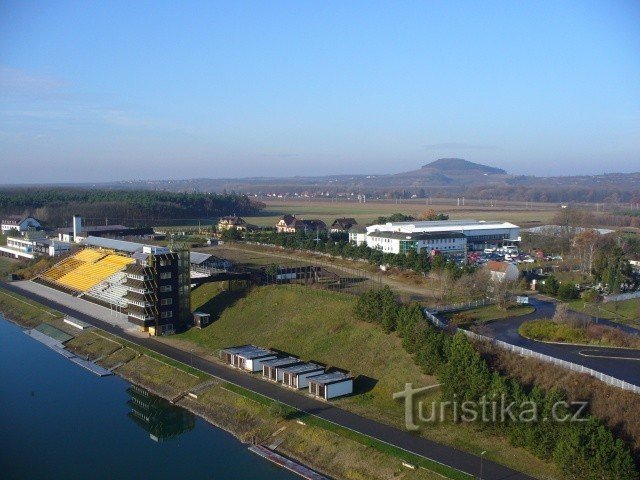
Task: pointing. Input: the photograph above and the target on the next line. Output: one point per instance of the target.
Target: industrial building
(331, 385)
(297, 376)
(445, 236)
(272, 369)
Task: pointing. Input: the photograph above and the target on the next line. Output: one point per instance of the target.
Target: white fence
(574, 367)
(620, 296)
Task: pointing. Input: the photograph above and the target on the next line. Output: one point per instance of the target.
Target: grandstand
(86, 270)
(111, 290)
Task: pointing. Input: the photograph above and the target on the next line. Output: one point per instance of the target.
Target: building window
(166, 288)
(165, 263)
(166, 301)
(165, 275)
(168, 314)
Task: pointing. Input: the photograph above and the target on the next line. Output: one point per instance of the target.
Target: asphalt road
(617, 362)
(403, 439)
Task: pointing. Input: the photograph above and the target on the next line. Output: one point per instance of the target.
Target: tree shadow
(217, 304)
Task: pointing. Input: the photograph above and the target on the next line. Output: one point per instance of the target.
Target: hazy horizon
(96, 92)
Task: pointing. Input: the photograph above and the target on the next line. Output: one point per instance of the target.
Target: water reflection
(158, 416)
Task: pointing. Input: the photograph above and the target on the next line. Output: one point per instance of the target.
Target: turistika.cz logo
(488, 409)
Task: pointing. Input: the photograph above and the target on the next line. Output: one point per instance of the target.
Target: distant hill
(459, 165)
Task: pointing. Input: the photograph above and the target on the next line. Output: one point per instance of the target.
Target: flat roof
(303, 368)
(282, 361)
(332, 377)
(248, 351)
(415, 236)
(440, 226)
(113, 244)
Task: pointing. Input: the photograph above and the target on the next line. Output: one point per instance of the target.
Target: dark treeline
(581, 449)
(337, 244)
(56, 206)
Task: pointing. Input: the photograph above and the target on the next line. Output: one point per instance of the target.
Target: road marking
(609, 357)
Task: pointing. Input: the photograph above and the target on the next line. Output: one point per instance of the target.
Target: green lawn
(627, 311)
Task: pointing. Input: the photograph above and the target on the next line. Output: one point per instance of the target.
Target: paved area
(88, 308)
(421, 446)
(611, 361)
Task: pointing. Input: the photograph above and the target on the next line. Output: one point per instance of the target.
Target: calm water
(59, 421)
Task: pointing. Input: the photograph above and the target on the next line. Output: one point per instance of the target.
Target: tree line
(582, 449)
(337, 244)
(56, 206)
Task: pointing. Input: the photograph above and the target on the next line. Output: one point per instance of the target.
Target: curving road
(102, 318)
(620, 363)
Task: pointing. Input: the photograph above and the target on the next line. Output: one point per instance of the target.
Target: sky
(120, 90)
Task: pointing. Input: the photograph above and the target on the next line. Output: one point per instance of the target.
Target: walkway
(421, 446)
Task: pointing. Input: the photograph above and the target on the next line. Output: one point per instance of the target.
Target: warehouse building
(478, 235)
(331, 385)
(297, 376)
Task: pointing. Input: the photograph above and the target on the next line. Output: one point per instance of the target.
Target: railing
(456, 307)
(574, 367)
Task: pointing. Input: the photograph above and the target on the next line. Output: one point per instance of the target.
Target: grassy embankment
(599, 335)
(627, 311)
(323, 445)
(488, 314)
(319, 325)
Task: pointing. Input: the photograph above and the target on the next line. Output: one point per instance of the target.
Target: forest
(56, 206)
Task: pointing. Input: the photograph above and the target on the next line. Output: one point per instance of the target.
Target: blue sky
(96, 91)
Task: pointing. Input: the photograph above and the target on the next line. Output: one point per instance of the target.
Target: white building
(19, 224)
(501, 271)
(272, 369)
(297, 376)
(331, 385)
(396, 242)
(25, 247)
(247, 357)
(479, 234)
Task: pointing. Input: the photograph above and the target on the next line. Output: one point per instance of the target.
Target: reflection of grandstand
(86, 270)
(157, 416)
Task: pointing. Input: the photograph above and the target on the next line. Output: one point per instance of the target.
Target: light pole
(481, 457)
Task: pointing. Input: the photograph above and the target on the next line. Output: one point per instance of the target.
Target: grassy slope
(319, 325)
(550, 331)
(627, 311)
(312, 324)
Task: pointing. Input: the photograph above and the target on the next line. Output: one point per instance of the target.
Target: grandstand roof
(120, 245)
(198, 257)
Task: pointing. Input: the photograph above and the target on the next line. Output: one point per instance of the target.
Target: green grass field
(365, 213)
(627, 311)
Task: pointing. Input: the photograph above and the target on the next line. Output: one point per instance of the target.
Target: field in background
(521, 213)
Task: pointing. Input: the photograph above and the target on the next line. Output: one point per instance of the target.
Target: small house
(247, 357)
(297, 376)
(272, 369)
(201, 319)
(501, 271)
(342, 224)
(331, 385)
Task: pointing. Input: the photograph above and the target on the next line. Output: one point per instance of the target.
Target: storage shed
(201, 319)
(331, 385)
(247, 357)
(296, 376)
(272, 369)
